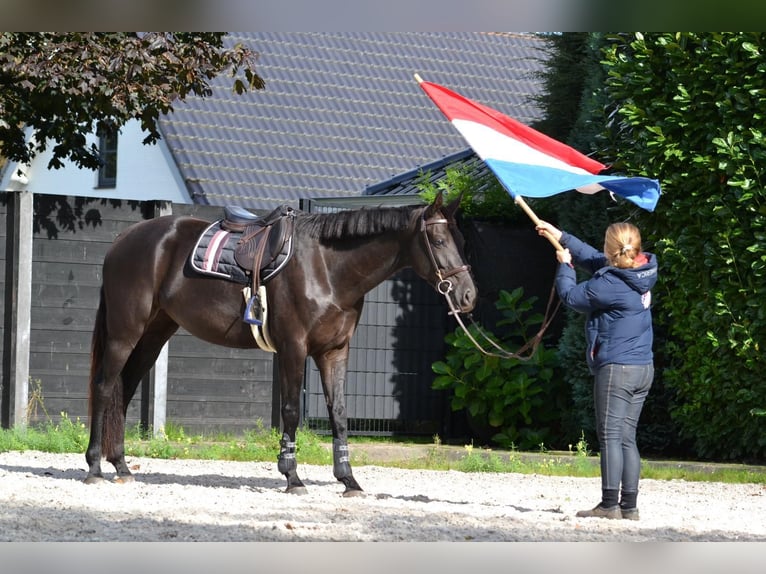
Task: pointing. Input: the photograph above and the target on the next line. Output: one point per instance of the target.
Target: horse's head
(440, 258)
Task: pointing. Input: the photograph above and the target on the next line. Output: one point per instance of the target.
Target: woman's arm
(583, 254)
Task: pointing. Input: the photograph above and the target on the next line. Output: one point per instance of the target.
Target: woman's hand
(543, 228)
(564, 256)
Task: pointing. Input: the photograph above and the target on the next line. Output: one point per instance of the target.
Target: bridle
(444, 286)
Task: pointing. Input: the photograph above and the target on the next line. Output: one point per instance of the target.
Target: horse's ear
(451, 209)
(435, 205)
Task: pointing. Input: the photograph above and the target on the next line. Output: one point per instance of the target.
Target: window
(107, 149)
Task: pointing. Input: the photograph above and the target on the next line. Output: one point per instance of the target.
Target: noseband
(443, 286)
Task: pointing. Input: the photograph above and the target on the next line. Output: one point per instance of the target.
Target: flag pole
(536, 220)
(522, 204)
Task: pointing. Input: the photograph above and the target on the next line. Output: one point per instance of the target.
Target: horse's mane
(362, 222)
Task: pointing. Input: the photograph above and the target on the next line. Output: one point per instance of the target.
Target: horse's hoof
(128, 478)
(299, 490)
(94, 480)
(351, 493)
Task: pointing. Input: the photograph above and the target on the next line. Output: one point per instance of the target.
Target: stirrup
(251, 316)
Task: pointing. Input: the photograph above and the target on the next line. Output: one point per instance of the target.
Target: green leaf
(441, 368)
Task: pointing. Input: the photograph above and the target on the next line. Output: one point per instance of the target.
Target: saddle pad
(214, 254)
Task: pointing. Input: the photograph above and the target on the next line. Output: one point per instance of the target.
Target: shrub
(510, 401)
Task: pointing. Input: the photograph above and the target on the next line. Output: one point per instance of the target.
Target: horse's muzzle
(467, 300)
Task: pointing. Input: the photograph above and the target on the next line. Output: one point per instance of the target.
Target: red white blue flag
(527, 162)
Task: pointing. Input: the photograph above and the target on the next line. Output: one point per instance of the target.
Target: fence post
(18, 309)
(154, 386)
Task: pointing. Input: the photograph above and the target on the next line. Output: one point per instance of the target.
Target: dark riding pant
(619, 394)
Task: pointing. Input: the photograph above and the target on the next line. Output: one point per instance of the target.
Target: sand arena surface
(43, 498)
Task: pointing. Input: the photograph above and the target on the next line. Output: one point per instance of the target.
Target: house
(341, 119)
(341, 112)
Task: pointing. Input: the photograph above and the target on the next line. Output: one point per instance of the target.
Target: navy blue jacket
(616, 302)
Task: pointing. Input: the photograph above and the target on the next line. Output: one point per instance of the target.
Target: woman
(617, 303)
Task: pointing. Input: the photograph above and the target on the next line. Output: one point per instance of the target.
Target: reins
(444, 287)
(527, 351)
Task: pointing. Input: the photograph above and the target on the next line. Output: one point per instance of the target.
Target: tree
(564, 75)
(64, 86)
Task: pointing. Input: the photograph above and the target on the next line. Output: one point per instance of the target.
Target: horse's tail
(113, 407)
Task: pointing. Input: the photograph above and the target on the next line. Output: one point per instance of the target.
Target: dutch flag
(527, 162)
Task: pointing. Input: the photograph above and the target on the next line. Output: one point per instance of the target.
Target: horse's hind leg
(105, 407)
(142, 359)
(333, 366)
(112, 405)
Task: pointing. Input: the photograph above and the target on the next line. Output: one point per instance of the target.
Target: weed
(36, 400)
(481, 462)
(581, 448)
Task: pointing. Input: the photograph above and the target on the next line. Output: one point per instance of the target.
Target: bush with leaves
(513, 402)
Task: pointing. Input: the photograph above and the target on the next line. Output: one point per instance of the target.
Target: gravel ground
(43, 498)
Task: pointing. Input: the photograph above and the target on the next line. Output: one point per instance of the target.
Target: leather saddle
(265, 242)
(264, 247)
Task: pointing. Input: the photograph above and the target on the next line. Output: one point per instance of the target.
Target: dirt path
(43, 498)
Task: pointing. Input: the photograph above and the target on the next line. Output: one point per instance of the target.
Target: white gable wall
(144, 172)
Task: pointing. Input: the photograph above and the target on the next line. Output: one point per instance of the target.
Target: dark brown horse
(314, 304)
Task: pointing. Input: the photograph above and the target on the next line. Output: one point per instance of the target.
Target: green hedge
(689, 108)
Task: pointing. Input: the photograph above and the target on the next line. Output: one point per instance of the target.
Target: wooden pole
(154, 385)
(18, 310)
(536, 220)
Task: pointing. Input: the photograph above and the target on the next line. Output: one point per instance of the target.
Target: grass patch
(487, 461)
(705, 473)
(262, 445)
(66, 436)
(256, 445)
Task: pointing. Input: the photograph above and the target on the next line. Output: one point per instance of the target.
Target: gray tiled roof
(342, 112)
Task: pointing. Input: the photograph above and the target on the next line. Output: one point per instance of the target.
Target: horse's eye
(439, 242)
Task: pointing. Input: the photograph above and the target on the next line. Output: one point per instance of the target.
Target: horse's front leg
(333, 366)
(290, 382)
